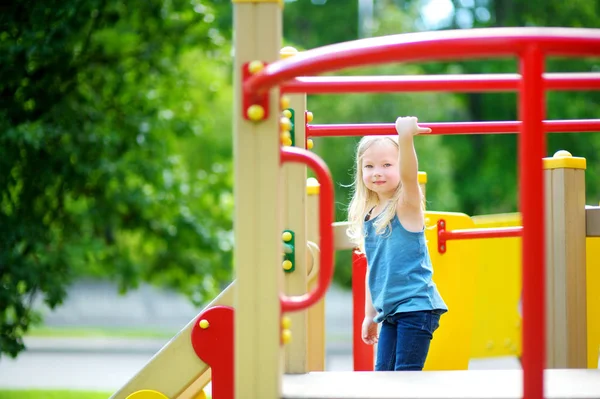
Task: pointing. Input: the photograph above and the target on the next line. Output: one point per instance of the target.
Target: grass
(54, 332)
(39, 394)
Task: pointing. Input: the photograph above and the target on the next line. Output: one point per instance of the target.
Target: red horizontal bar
(504, 127)
(438, 83)
(427, 46)
(469, 234)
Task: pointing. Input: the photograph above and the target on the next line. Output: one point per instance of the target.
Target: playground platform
(463, 384)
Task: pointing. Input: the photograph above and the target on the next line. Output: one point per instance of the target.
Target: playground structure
(247, 362)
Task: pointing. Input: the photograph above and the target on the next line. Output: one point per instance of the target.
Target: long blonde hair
(363, 199)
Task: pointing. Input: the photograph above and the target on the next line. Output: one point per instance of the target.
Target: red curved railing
(531, 46)
(326, 195)
(427, 46)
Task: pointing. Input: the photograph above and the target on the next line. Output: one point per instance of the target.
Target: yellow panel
(593, 299)
(455, 274)
(497, 324)
(499, 290)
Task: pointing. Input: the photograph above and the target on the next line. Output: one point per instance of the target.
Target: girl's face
(380, 171)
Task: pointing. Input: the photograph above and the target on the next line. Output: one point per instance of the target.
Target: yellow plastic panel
(499, 290)
(593, 299)
(455, 273)
(497, 325)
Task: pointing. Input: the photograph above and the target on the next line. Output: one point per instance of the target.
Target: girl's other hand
(369, 331)
(406, 126)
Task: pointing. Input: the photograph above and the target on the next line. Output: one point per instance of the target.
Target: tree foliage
(104, 165)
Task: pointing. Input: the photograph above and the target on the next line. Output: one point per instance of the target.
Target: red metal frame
(427, 46)
(438, 83)
(362, 354)
(326, 201)
(531, 46)
(532, 149)
(503, 127)
(470, 234)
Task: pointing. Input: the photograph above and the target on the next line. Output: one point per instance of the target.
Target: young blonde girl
(387, 223)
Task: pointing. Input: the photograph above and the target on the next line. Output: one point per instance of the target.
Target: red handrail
(426, 46)
(326, 201)
(502, 127)
(439, 83)
(470, 234)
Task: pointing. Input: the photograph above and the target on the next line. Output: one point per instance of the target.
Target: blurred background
(116, 192)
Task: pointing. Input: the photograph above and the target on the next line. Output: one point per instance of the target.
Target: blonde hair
(363, 199)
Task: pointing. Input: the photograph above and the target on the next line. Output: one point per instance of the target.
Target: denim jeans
(404, 340)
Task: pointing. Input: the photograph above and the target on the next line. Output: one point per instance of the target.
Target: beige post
(294, 181)
(257, 223)
(566, 323)
(316, 313)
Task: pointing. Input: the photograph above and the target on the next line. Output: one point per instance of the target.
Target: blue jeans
(404, 340)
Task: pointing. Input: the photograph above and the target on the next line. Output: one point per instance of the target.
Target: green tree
(112, 158)
(492, 185)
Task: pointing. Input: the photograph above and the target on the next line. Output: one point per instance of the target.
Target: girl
(387, 223)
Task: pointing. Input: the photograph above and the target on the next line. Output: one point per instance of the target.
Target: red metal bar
(469, 234)
(502, 127)
(326, 201)
(426, 46)
(532, 148)
(362, 354)
(437, 83)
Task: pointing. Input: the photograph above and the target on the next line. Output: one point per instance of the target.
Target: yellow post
(316, 313)
(566, 326)
(294, 180)
(257, 224)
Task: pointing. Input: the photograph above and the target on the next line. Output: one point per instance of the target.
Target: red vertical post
(362, 353)
(532, 148)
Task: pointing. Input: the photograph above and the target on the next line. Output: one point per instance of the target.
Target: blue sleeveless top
(400, 271)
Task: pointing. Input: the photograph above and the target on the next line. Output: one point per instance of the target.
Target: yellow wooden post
(257, 222)
(316, 313)
(566, 325)
(294, 178)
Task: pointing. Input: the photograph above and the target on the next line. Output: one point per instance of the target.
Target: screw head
(287, 265)
(204, 324)
(255, 113)
(255, 67)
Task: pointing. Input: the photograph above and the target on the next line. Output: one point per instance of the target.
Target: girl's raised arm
(407, 127)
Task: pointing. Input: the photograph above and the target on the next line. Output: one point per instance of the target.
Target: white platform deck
(467, 384)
